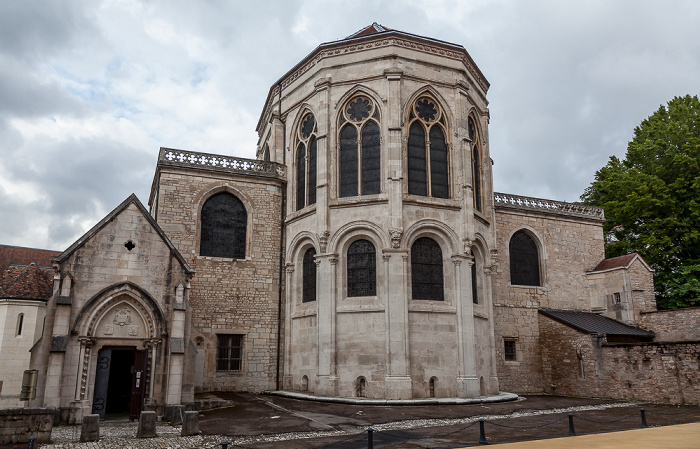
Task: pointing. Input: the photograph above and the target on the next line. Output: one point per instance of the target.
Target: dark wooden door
(138, 384)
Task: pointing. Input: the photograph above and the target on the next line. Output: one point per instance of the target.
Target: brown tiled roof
(28, 282)
(17, 255)
(366, 31)
(593, 323)
(615, 262)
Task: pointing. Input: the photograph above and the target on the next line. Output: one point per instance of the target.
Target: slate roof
(18, 255)
(619, 262)
(30, 282)
(592, 323)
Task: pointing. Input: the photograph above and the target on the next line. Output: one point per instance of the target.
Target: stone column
(393, 156)
(493, 387)
(467, 380)
(176, 364)
(325, 323)
(398, 383)
(80, 407)
(288, 379)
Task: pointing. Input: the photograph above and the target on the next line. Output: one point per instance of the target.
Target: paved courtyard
(259, 421)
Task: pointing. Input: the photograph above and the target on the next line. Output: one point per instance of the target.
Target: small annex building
(362, 254)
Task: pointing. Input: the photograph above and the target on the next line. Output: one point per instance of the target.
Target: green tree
(652, 200)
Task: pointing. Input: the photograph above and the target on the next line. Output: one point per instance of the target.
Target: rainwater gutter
(282, 249)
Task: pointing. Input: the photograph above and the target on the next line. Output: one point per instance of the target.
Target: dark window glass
(438, 164)
(359, 109)
(509, 347)
(301, 176)
(426, 270)
(308, 126)
(426, 110)
(348, 161)
(224, 221)
(524, 260)
(417, 178)
(266, 153)
(370, 159)
(362, 269)
(309, 276)
(475, 286)
(229, 352)
(312, 172)
(477, 178)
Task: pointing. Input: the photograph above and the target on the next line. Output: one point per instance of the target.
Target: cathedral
(362, 254)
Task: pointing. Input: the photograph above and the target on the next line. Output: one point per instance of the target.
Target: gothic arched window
(427, 150)
(524, 260)
(426, 270)
(360, 167)
(306, 162)
(224, 222)
(475, 284)
(475, 143)
(308, 287)
(266, 153)
(362, 269)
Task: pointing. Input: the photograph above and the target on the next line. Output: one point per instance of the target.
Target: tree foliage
(652, 200)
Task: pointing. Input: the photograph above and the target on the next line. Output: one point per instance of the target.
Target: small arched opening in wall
(361, 387)
(20, 324)
(304, 383)
(432, 386)
(482, 386)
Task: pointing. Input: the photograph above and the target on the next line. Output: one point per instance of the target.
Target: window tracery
(306, 162)
(223, 227)
(427, 279)
(360, 142)
(477, 181)
(427, 149)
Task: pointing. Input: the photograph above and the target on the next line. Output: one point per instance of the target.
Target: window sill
(423, 305)
(447, 203)
(536, 287)
(361, 200)
(301, 213)
(229, 373)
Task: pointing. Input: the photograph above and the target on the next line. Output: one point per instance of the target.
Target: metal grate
(229, 352)
(362, 269)
(524, 260)
(509, 350)
(309, 276)
(427, 278)
(224, 222)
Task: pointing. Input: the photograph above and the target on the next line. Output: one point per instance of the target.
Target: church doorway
(120, 380)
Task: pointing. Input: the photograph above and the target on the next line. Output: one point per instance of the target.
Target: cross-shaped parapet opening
(130, 245)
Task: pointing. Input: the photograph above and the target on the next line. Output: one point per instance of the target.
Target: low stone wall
(673, 325)
(579, 364)
(18, 424)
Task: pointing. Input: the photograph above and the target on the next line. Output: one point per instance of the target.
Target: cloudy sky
(89, 90)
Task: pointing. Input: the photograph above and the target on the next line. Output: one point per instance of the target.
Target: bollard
(644, 418)
(482, 432)
(572, 432)
(147, 425)
(370, 438)
(31, 443)
(190, 424)
(90, 430)
(224, 445)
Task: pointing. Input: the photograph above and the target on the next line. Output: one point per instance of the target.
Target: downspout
(282, 250)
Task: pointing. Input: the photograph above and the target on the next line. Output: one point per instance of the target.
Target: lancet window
(360, 141)
(309, 276)
(428, 150)
(477, 177)
(426, 270)
(223, 227)
(306, 162)
(524, 260)
(362, 269)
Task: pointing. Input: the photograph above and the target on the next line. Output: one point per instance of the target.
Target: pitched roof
(619, 262)
(132, 199)
(366, 31)
(593, 323)
(28, 282)
(18, 255)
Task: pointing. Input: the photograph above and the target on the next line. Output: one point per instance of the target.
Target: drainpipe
(281, 255)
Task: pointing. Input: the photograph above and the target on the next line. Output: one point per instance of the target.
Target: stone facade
(363, 253)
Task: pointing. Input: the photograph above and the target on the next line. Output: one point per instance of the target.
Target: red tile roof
(28, 282)
(366, 31)
(615, 262)
(17, 255)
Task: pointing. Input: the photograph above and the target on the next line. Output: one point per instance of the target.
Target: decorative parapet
(217, 162)
(548, 206)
